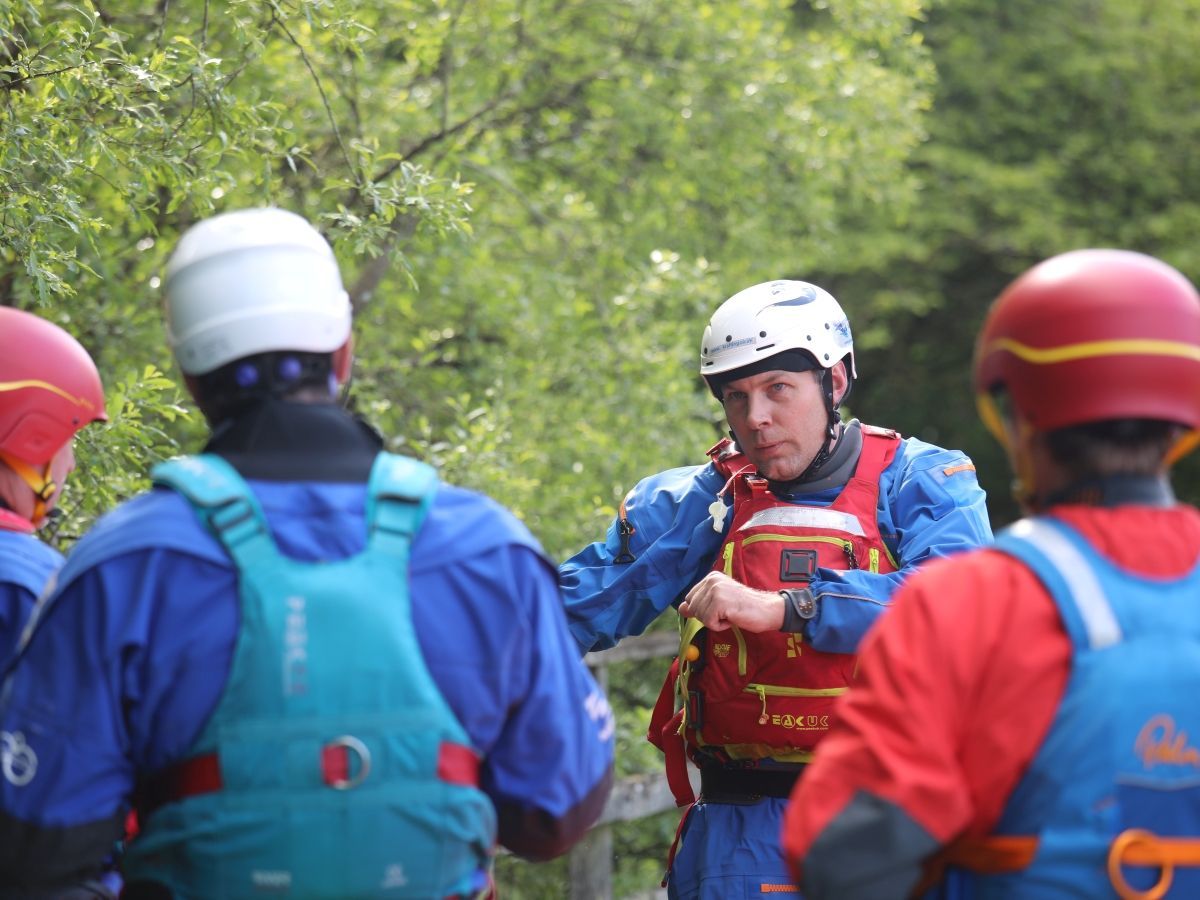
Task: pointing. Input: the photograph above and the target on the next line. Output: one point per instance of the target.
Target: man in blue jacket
(311, 669)
(779, 554)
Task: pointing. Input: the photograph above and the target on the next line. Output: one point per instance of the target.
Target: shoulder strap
(727, 458)
(399, 495)
(879, 431)
(878, 450)
(1059, 557)
(223, 501)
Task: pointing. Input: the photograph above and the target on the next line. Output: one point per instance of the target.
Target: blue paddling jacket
(130, 656)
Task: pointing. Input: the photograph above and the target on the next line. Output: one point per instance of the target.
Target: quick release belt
(721, 784)
(342, 764)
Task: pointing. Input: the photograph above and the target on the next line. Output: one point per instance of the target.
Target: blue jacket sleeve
(930, 505)
(549, 769)
(673, 545)
(88, 720)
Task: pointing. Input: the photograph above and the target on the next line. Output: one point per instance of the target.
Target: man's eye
(734, 396)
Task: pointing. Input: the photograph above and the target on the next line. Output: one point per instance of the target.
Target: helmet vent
(763, 347)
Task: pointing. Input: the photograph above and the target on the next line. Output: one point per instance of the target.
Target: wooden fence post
(591, 866)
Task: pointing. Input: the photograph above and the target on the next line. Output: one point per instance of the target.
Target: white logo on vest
(17, 758)
(394, 877)
(295, 648)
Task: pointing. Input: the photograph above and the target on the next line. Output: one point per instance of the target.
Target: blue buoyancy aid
(26, 566)
(331, 766)
(1117, 779)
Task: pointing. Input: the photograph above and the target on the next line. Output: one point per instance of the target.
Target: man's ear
(841, 382)
(192, 383)
(343, 359)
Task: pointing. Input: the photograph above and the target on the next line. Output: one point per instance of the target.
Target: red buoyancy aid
(755, 696)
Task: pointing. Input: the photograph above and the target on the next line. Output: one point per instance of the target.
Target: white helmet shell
(771, 317)
(249, 282)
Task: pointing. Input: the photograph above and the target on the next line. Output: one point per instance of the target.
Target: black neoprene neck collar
(1116, 490)
(835, 472)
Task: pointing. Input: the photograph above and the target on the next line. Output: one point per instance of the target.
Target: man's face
(779, 419)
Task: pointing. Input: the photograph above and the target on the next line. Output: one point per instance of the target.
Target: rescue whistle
(692, 653)
(716, 509)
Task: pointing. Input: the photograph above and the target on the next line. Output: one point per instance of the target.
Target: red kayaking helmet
(1092, 335)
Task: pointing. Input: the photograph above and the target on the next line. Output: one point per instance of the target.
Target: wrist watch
(800, 601)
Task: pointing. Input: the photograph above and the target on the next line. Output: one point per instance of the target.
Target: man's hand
(720, 602)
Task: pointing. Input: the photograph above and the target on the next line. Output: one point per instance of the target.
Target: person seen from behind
(313, 669)
(49, 390)
(1025, 721)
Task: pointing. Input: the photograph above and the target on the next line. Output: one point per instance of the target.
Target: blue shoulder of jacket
(918, 455)
(914, 459)
(669, 487)
(944, 479)
(159, 519)
(458, 521)
(26, 561)
(463, 521)
(917, 460)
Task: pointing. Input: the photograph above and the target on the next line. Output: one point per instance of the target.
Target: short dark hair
(1113, 446)
(236, 386)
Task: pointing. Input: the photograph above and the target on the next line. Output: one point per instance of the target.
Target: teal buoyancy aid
(1120, 764)
(332, 765)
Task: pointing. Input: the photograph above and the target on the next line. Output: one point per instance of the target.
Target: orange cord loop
(1135, 846)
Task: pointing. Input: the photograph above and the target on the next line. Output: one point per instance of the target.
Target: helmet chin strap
(1024, 484)
(40, 482)
(831, 432)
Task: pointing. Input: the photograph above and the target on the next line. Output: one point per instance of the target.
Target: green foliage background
(537, 203)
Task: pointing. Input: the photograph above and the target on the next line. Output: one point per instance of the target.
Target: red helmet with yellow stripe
(1092, 335)
(49, 389)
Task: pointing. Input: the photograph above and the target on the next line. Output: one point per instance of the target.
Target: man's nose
(758, 412)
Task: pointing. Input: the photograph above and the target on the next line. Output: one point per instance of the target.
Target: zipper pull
(762, 695)
(851, 556)
(626, 530)
(624, 556)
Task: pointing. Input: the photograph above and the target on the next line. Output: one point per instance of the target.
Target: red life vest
(755, 696)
